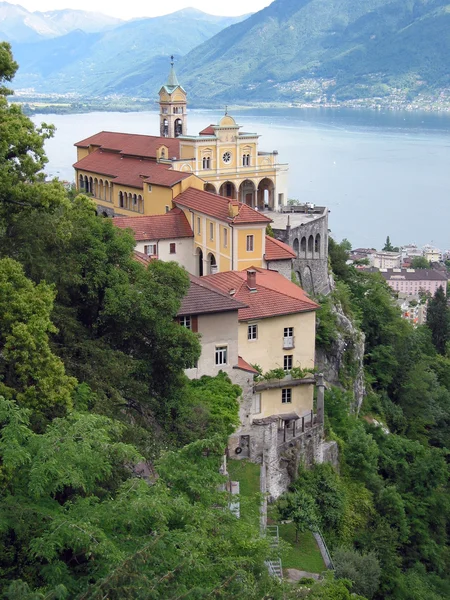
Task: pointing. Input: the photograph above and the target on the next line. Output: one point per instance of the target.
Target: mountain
(20, 25)
(121, 60)
(345, 48)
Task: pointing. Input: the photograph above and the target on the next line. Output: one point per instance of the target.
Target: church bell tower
(172, 107)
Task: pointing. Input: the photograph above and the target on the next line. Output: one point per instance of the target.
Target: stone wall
(310, 266)
(284, 267)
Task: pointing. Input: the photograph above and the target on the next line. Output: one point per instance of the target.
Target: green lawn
(247, 474)
(305, 554)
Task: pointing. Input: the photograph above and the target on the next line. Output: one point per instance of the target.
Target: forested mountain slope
(358, 47)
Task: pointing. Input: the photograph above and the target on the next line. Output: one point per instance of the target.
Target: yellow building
(276, 331)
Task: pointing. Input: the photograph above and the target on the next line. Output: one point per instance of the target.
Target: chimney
(288, 226)
(251, 279)
(233, 209)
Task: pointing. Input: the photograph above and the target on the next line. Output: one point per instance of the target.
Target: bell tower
(172, 107)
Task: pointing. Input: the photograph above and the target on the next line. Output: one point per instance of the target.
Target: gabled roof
(276, 250)
(208, 130)
(274, 296)
(142, 258)
(170, 225)
(218, 207)
(132, 144)
(245, 366)
(204, 298)
(130, 171)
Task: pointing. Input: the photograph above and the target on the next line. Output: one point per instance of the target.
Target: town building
(414, 281)
(128, 173)
(386, 260)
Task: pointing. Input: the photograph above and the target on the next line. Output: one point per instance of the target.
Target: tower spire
(172, 80)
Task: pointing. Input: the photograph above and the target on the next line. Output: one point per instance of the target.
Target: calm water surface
(380, 173)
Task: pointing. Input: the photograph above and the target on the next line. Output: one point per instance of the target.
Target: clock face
(226, 157)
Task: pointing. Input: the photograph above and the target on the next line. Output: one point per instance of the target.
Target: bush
(362, 569)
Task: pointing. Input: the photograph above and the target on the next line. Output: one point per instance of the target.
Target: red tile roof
(276, 250)
(132, 144)
(274, 295)
(142, 258)
(129, 171)
(157, 227)
(203, 298)
(218, 207)
(208, 130)
(245, 366)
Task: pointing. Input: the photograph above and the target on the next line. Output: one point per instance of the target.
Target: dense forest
(110, 456)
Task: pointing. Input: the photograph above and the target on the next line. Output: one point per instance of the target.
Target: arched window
(81, 182)
(310, 245)
(317, 245)
(246, 160)
(121, 200)
(296, 246)
(303, 246)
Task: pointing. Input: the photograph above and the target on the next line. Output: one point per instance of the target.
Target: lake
(379, 172)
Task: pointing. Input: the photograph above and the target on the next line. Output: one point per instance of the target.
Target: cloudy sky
(129, 9)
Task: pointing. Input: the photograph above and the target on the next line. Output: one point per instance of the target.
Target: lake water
(380, 173)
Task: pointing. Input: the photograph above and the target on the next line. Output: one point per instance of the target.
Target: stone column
(320, 398)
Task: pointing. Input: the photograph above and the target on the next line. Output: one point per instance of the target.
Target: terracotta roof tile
(277, 250)
(245, 366)
(218, 207)
(131, 143)
(275, 295)
(129, 171)
(157, 227)
(203, 297)
(142, 258)
(208, 130)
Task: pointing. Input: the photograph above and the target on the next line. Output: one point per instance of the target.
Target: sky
(130, 9)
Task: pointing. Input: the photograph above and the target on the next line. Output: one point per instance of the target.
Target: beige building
(386, 260)
(276, 331)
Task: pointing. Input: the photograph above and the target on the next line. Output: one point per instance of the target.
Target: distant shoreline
(51, 105)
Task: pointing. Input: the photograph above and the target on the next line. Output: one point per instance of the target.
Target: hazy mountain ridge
(105, 62)
(20, 25)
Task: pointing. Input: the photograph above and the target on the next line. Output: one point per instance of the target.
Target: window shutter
(146, 250)
(194, 324)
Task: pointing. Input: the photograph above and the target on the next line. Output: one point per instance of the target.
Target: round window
(226, 157)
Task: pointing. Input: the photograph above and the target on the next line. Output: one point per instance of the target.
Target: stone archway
(212, 264)
(228, 190)
(210, 187)
(266, 194)
(307, 280)
(178, 126)
(310, 246)
(317, 251)
(303, 247)
(247, 193)
(296, 246)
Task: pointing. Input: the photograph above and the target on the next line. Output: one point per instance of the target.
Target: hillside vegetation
(110, 456)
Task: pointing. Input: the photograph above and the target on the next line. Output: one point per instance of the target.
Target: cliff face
(342, 363)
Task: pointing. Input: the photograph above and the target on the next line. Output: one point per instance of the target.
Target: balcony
(288, 343)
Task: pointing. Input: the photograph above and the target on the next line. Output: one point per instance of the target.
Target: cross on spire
(171, 60)
(226, 109)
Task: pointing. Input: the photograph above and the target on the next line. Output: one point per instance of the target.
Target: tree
(22, 155)
(388, 247)
(29, 371)
(438, 320)
(363, 570)
(420, 262)
(299, 506)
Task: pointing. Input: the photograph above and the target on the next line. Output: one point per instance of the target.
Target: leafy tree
(339, 255)
(30, 372)
(22, 156)
(420, 262)
(363, 570)
(299, 506)
(438, 320)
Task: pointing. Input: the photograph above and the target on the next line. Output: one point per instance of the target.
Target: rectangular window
(149, 187)
(211, 231)
(150, 250)
(225, 237)
(252, 332)
(249, 243)
(221, 355)
(288, 337)
(256, 404)
(167, 209)
(286, 395)
(199, 226)
(186, 322)
(172, 248)
(287, 362)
